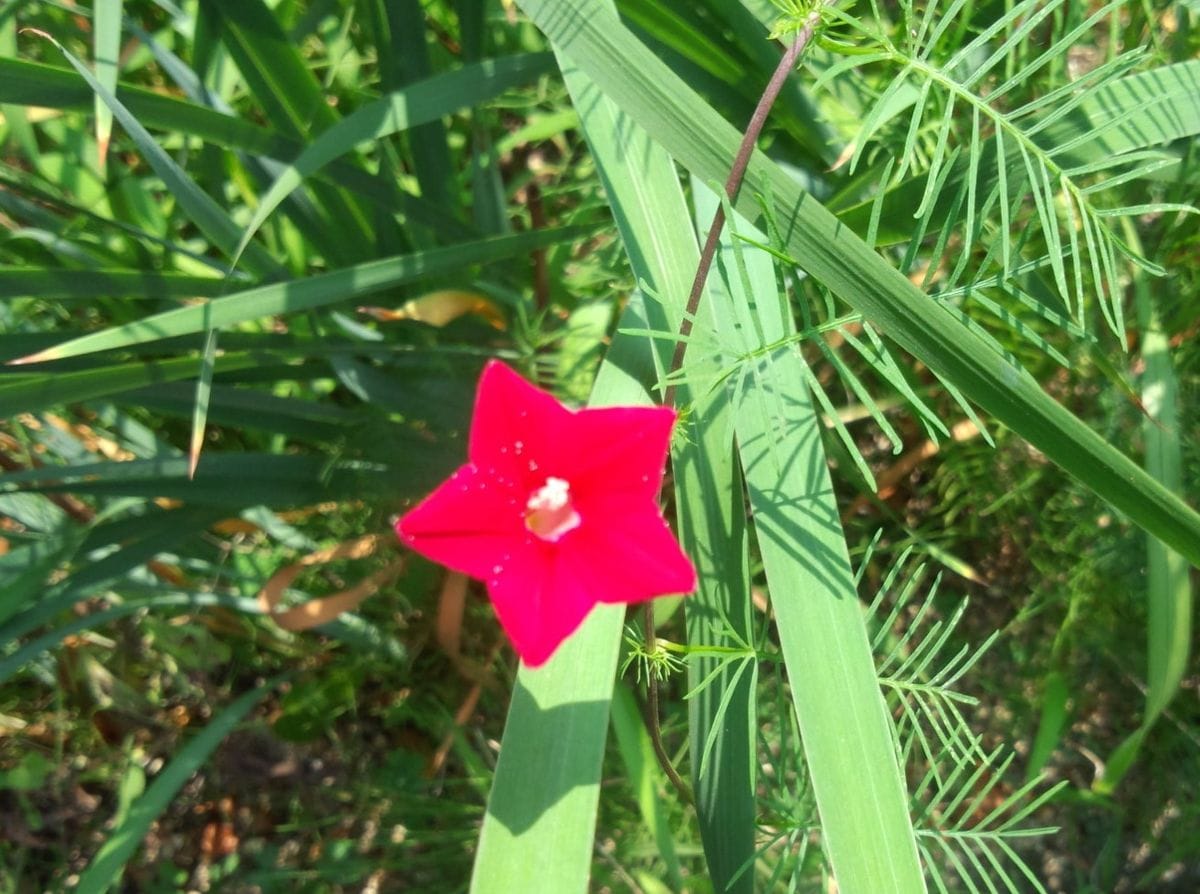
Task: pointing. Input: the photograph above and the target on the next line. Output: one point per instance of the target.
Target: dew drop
(496, 569)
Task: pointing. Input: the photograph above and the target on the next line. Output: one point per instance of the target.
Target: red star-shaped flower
(556, 511)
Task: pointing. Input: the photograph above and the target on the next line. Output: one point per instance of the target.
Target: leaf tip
(36, 357)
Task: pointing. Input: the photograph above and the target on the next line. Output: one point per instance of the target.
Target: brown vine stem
(733, 185)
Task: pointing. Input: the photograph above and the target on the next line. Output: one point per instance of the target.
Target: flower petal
(515, 424)
(616, 450)
(627, 552)
(540, 600)
(467, 524)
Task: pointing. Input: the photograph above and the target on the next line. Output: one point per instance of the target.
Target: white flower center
(549, 512)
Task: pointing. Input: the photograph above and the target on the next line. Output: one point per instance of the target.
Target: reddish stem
(732, 185)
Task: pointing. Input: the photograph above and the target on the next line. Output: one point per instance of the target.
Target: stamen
(549, 512)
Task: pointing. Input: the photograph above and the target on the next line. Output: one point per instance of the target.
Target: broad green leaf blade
(1168, 584)
(721, 715)
(323, 290)
(647, 201)
(683, 124)
(108, 864)
(652, 217)
(846, 734)
(423, 102)
(541, 814)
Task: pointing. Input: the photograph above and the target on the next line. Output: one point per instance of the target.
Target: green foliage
(222, 227)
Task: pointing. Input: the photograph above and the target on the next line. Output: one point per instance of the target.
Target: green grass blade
(280, 80)
(208, 359)
(24, 571)
(70, 285)
(538, 831)
(845, 731)
(200, 207)
(404, 59)
(106, 43)
(38, 85)
(1168, 584)
(340, 286)
(12, 663)
(694, 134)
(425, 101)
(38, 391)
(237, 480)
(108, 864)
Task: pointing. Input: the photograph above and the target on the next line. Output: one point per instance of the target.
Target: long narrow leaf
(106, 43)
(203, 210)
(339, 286)
(845, 731)
(420, 103)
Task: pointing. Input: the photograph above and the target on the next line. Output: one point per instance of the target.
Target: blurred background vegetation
(463, 222)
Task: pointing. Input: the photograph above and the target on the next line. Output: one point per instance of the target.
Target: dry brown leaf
(320, 611)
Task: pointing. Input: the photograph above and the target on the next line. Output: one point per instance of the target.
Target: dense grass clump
(934, 461)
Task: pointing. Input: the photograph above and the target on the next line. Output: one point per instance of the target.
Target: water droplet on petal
(496, 569)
